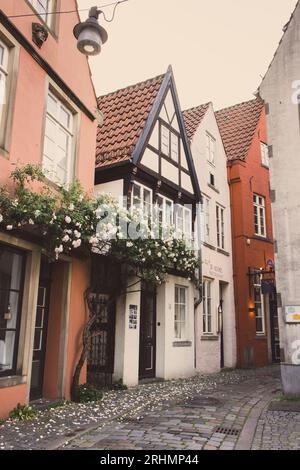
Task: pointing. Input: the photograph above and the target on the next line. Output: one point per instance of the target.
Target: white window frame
(210, 148)
(168, 138)
(43, 12)
(181, 333)
(142, 203)
(264, 150)
(259, 204)
(68, 131)
(205, 220)
(165, 202)
(220, 221)
(182, 214)
(207, 307)
(4, 74)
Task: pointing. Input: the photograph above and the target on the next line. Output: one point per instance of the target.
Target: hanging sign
(292, 314)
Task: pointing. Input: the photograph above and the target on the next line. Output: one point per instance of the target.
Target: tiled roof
(125, 114)
(237, 126)
(193, 117)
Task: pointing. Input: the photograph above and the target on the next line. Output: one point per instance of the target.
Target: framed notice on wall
(133, 309)
(292, 314)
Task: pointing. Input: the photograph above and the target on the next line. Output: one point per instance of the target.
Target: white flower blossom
(37, 213)
(76, 243)
(71, 206)
(66, 238)
(9, 227)
(68, 219)
(129, 244)
(31, 222)
(77, 234)
(1, 218)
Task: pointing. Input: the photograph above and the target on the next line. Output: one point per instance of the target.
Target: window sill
(265, 166)
(182, 344)
(213, 187)
(208, 245)
(223, 252)
(12, 381)
(261, 336)
(209, 338)
(4, 153)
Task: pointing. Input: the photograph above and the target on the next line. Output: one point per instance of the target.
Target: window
(165, 211)
(142, 198)
(259, 310)
(58, 144)
(207, 307)
(220, 227)
(184, 221)
(4, 63)
(264, 154)
(180, 312)
(11, 274)
(211, 179)
(259, 215)
(205, 223)
(43, 8)
(210, 148)
(169, 143)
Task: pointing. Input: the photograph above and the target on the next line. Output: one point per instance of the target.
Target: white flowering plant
(67, 220)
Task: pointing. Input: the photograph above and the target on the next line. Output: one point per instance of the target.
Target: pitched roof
(125, 114)
(237, 126)
(193, 117)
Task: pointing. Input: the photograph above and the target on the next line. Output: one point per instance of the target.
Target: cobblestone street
(223, 411)
(221, 419)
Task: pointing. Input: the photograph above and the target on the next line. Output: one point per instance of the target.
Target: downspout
(200, 291)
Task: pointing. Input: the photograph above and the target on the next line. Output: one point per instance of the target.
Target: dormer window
(169, 143)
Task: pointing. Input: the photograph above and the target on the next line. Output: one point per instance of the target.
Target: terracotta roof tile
(193, 117)
(237, 126)
(125, 113)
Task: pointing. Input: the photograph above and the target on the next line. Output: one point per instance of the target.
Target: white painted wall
(114, 188)
(216, 266)
(172, 359)
(283, 126)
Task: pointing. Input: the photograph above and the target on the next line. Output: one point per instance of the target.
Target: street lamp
(90, 35)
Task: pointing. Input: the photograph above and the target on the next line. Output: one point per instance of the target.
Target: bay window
(183, 221)
(165, 209)
(11, 279)
(141, 198)
(58, 143)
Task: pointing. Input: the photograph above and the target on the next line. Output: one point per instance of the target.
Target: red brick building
(243, 130)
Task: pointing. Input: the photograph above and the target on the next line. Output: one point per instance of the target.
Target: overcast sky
(219, 49)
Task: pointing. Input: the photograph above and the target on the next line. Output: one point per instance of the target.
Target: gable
(166, 151)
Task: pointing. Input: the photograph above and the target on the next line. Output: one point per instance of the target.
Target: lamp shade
(90, 37)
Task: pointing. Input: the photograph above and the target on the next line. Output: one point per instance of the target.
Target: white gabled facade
(215, 330)
(160, 172)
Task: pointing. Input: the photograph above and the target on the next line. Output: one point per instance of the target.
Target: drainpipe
(200, 296)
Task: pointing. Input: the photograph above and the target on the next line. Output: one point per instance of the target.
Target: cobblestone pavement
(223, 418)
(277, 430)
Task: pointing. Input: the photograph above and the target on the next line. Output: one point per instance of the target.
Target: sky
(219, 49)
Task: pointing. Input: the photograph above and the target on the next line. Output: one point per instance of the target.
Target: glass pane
(174, 147)
(1, 54)
(182, 313)
(136, 194)
(209, 326)
(177, 330)
(182, 295)
(41, 296)
(10, 270)
(176, 295)
(7, 343)
(65, 117)
(259, 325)
(52, 105)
